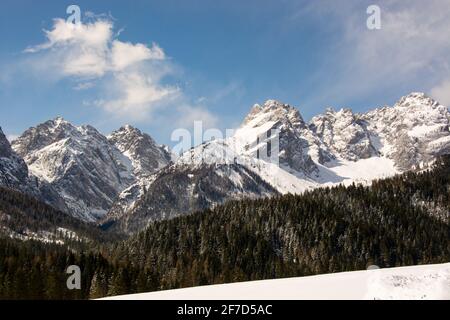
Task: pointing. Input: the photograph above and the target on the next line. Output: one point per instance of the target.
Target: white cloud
(124, 54)
(77, 50)
(130, 75)
(133, 92)
(442, 93)
(413, 37)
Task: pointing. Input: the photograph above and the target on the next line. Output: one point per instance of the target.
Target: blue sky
(160, 65)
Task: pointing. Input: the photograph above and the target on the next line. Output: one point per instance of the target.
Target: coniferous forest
(403, 220)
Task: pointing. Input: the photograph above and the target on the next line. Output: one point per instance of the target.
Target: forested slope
(399, 221)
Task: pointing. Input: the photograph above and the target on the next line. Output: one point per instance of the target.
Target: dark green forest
(403, 220)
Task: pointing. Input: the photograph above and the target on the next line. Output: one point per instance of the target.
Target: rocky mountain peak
(61, 155)
(344, 134)
(56, 125)
(275, 112)
(127, 129)
(43, 134)
(416, 99)
(145, 154)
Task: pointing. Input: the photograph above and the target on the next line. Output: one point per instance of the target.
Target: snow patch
(415, 282)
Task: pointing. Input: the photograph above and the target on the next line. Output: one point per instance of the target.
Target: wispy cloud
(189, 114)
(411, 48)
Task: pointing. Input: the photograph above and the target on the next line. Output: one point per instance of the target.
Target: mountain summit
(146, 156)
(87, 169)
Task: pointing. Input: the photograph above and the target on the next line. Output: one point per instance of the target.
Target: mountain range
(126, 180)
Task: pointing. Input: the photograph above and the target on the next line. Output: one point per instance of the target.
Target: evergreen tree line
(398, 221)
(34, 270)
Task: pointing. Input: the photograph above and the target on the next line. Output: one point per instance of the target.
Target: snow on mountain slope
(95, 174)
(274, 118)
(223, 169)
(412, 133)
(79, 162)
(362, 171)
(347, 147)
(334, 148)
(146, 158)
(403, 283)
(344, 134)
(145, 155)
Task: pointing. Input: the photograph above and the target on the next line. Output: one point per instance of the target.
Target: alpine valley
(348, 189)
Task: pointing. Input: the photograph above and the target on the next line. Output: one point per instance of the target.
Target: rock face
(286, 122)
(413, 132)
(145, 155)
(79, 162)
(88, 170)
(344, 134)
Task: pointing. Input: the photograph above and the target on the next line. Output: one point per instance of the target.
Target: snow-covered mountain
(344, 134)
(87, 169)
(127, 179)
(412, 133)
(425, 282)
(145, 154)
(146, 157)
(335, 147)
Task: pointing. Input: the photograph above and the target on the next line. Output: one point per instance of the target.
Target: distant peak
(416, 99)
(59, 119)
(420, 95)
(127, 132)
(275, 104)
(128, 129)
(272, 110)
(346, 111)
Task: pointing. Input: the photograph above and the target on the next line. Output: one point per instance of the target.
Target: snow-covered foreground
(417, 282)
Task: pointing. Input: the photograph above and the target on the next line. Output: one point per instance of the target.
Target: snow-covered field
(416, 282)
